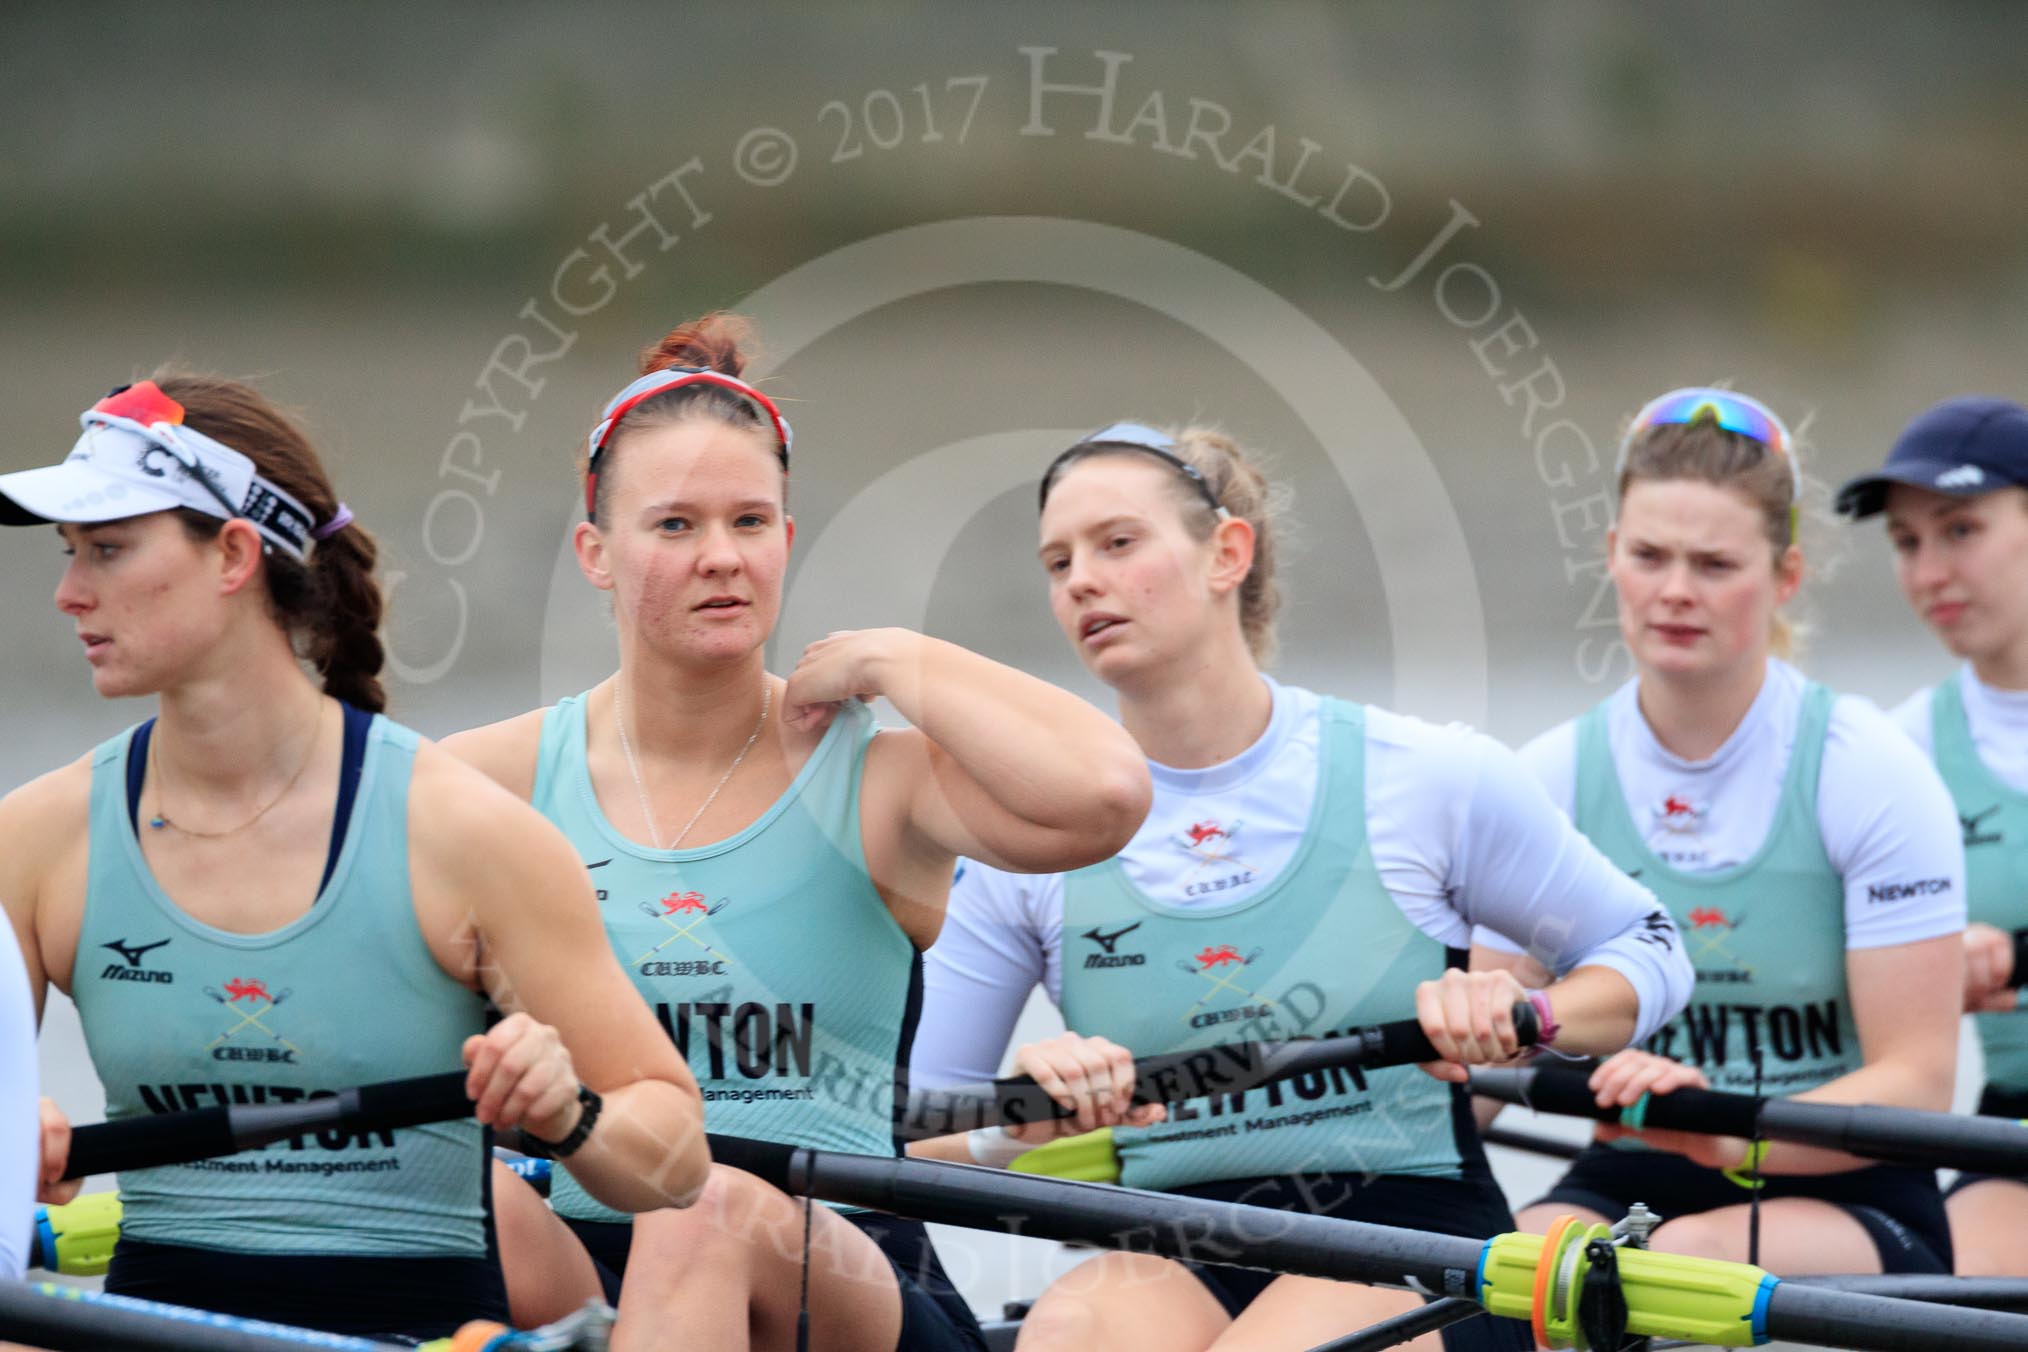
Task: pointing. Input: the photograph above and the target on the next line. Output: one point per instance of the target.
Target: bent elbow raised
(1124, 795)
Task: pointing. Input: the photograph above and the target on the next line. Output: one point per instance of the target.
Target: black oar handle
(1175, 1077)
(1566, 1091)
(1926, 1140)
(206, 1133)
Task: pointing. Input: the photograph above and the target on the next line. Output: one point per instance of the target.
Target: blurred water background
(1428, 254)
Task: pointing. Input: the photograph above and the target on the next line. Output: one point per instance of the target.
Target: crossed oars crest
(678, 904)
(1207, 966)
(1710, 928)
(1208, 843)
(245, 989)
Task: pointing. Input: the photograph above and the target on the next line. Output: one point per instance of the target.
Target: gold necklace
(640, 790)
(162, 818)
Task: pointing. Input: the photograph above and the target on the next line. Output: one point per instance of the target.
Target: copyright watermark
(1039, 94)
(878, 557)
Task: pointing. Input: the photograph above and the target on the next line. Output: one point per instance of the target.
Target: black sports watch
(589, 1104)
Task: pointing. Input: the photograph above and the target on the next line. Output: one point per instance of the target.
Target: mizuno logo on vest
(133, 971)
(1109, 958)
(1973, 835)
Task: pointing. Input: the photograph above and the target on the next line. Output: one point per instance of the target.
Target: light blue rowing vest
(1767, 937)
(1995, 820)
(769, 958)
(1322, 948)
(180, 1015)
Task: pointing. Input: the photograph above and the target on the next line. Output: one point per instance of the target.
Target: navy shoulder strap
(358, 723)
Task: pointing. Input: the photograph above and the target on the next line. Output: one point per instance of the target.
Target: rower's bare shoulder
(476, 851)
(505, 751)
(456, 806)
(46, 817)
(46, 824)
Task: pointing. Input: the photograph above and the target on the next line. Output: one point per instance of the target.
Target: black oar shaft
(60, 1320)
(1308, 1245)
(1896, 1135)
(1828, 1318)
(1982, 1293)
(206, 1133)
(1402, 1328)
(1533, 1144)
(1118, 1218)
(1175, 1077)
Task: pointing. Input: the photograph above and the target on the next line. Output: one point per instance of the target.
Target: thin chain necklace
(162, 817)
(640, 790)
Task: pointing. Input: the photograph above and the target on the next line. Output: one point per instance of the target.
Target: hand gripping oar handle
(1174, 1077)
(205, 1133)
(1990, 1145)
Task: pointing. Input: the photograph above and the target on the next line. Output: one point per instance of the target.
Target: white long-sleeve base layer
(1461, 834)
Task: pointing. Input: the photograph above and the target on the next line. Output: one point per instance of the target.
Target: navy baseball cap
(1963, 447)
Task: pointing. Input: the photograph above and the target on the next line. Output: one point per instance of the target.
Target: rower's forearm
(647, 1150)
(953, 1149)
(1596, 1011)
(1040, 753)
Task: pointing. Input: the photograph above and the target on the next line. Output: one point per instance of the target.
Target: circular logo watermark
(876, 561)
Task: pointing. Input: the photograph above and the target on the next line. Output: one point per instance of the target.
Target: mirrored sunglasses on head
(1736, 413)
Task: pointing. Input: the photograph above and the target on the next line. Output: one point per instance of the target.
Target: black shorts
(934, 1317)
(1901, 1209)
(1471, 1206)
(1994, 1102)
(406, 1299)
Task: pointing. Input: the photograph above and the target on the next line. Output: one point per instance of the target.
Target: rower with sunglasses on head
(1309, 865)
(1955, 494)
(772, 868)
(1806, 849)
(269, 892)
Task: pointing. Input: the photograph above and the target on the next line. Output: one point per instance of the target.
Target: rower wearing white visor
(1309, 865)
(270, 892)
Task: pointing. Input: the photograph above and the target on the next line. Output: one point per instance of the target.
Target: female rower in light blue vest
(771, 868)
(1309, 865)
(1806, 848)
(1955, 491)
(268, 891)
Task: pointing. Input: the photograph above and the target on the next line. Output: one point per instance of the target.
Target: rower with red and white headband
(269, 892)
(772, 868)
(1806, 848)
